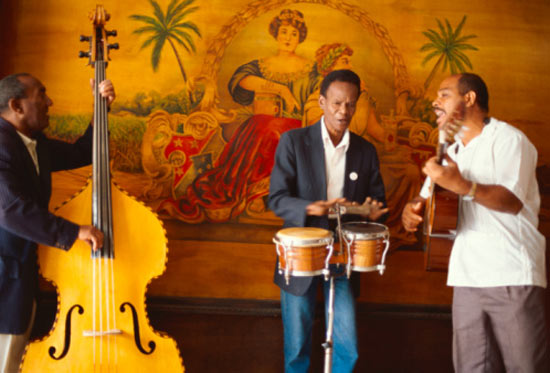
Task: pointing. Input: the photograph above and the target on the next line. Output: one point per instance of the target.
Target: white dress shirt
(335, 162)
(495, 248)
(31, 147)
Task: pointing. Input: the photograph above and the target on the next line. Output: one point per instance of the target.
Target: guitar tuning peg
(82, 54)
(113, 46)
(85, 38)
(111, 33)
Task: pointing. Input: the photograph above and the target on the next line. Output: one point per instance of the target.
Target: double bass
(101, 323)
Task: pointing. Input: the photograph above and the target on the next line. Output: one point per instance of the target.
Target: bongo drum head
(303, 236)
(364, 230)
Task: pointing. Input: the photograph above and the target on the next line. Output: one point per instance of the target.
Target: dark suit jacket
(25, 219)
(299, 178)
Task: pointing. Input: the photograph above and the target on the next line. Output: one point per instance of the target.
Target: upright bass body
(82, 338)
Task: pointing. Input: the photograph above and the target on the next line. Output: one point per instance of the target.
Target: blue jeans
(298, 313)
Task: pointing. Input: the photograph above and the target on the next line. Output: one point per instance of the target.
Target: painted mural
(208, 88)
(216, 179)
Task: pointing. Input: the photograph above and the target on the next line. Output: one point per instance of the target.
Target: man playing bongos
(317, 167)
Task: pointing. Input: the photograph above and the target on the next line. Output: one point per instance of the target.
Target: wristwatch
(471, 194)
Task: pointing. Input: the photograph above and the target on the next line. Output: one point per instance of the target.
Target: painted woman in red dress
(276, 89)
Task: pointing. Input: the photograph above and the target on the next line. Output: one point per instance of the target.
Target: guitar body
(441, 217)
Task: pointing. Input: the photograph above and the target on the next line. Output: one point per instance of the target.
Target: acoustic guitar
(441, 213)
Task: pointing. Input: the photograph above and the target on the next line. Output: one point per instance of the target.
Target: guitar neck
(442, 146)
(441, 151)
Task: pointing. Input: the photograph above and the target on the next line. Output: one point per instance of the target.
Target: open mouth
(440, 113)
(343, 122)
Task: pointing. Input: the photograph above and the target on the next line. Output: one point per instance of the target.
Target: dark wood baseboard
(236, 335)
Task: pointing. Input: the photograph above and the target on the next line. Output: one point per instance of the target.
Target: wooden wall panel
(8, 36)
(218, 270)
(238, 270)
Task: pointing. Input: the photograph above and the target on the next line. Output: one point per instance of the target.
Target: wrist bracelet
(471, 194)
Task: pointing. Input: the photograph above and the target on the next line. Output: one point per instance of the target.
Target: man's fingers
(417, 207)
(96, 239)
(94, 243)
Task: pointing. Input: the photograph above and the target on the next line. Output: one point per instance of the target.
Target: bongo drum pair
(308, 251)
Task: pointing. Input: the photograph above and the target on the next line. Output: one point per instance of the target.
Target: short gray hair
(11, 87)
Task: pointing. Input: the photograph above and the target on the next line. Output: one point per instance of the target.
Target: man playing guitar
(497, 264)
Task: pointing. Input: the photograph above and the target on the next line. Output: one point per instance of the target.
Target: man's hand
(91, 235)
(447, 176)
(370, 209)
(106, 90)
(451, 129)
(411, 215)
(376, 208)
(320, 208)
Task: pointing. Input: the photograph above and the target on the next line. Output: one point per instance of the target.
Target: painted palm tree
(168, 27)
(449, 45)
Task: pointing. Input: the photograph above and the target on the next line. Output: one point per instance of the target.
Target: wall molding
(257, 307)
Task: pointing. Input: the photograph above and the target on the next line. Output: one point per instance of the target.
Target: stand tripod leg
(328, 343)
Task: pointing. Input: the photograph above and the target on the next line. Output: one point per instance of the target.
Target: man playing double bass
(27, 158)
(497, 264)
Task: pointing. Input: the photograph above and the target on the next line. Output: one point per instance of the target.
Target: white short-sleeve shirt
(494, 248)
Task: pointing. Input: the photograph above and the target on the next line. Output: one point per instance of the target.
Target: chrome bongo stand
(328, 343)
(330, 311)
(339, 210)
